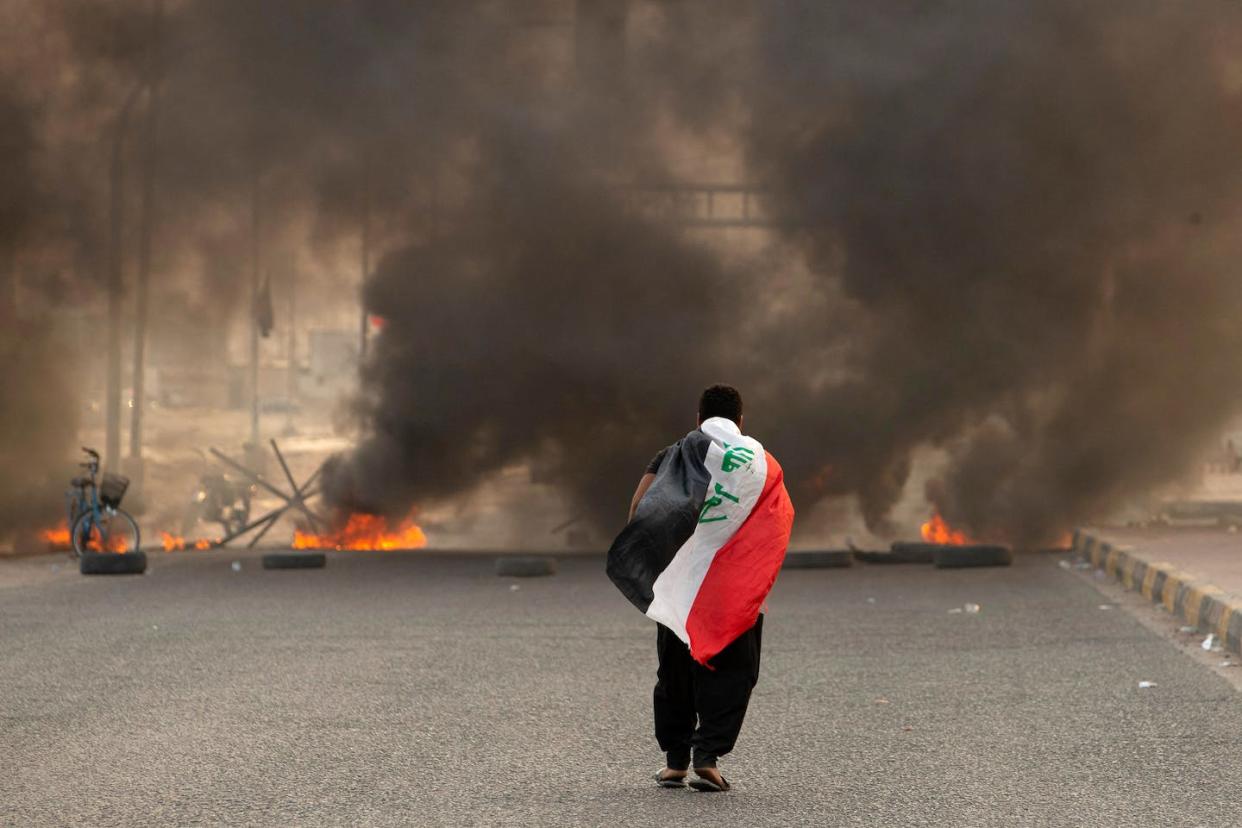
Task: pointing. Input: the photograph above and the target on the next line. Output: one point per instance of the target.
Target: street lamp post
(145, 220)
(255, 272)
(112, 447)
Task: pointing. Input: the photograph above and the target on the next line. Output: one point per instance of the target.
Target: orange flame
(937, 531)
(116, 543)
(57, 538)
(176, 543)
(363, 531)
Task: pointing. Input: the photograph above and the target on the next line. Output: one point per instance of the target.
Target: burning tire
(520, 567)
(112, 563)
(957, 557)
(295, 560)
(820, 559)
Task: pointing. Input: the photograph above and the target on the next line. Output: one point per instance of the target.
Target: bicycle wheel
(112, 532)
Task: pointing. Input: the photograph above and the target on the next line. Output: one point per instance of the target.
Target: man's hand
(643, 485)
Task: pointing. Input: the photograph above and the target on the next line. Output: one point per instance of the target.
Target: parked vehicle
(96, 521)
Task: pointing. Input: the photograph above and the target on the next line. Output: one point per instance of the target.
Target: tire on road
(957, 557)
(512, 566)
(877, 556)
(914, 551)
(112, 563)
(294, 560)
(819, 559)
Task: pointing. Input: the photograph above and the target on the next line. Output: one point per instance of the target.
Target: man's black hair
(721, 401)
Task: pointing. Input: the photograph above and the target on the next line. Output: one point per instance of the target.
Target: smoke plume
(37, 414)
(1030, 206)
(1006, 230)
(1023, 207)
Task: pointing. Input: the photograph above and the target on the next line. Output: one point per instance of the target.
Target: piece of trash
(1143, 685)
(880, 701)
(1209, 642)
(1064, 564)
(1227, 663)
(870, 600)
(1106, 606)
(1187, 629)
(514, 587)
(955, 611)
(155, 626)
(907, 728)
(235, 566)
(972, 609)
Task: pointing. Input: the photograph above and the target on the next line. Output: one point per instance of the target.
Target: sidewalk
(1194, 574)
(1208, 555)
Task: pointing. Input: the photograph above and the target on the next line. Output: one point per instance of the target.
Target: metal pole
(363, 322)
(112, 404)
(255, 267)
(291, 380)
(145, 221)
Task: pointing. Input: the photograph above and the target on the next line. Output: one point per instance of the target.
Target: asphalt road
(402, 689)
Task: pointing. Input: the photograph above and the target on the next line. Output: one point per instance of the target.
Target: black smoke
(1007, 230)
(1017, 220)
(1032, 206)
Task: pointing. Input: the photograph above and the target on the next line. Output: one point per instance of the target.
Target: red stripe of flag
(742, 572)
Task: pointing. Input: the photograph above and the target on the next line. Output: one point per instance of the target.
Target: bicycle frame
(78, 502)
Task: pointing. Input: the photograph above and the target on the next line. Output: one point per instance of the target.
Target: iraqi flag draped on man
(708, 538)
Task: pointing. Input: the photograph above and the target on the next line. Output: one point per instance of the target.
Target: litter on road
(1143, 685)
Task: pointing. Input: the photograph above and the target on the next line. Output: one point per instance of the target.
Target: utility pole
(291, 389)
(145, 221)
(112, 447)
(255, 268)
(364, 323)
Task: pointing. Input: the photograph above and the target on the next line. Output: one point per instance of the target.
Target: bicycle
(96, 521)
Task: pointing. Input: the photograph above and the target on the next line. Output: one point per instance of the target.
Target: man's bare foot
(709, 781)
(668, 778)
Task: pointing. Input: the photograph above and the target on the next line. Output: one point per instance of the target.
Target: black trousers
(701, 710)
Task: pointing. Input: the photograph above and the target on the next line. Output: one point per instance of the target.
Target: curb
(1199, 605)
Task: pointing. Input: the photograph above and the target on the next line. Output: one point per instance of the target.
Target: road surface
(410, 689)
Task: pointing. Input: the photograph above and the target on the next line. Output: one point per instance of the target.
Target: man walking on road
(709, 525)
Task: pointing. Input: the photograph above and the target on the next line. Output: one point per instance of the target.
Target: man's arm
(643, 485)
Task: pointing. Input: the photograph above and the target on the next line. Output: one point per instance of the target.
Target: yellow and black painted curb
(1200, 605)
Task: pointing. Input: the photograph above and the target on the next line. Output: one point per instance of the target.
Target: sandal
(704, 785)
(670, 781)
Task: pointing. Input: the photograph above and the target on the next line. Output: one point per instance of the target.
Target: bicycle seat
(80, 482)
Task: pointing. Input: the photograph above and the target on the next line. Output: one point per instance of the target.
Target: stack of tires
(940, 555)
